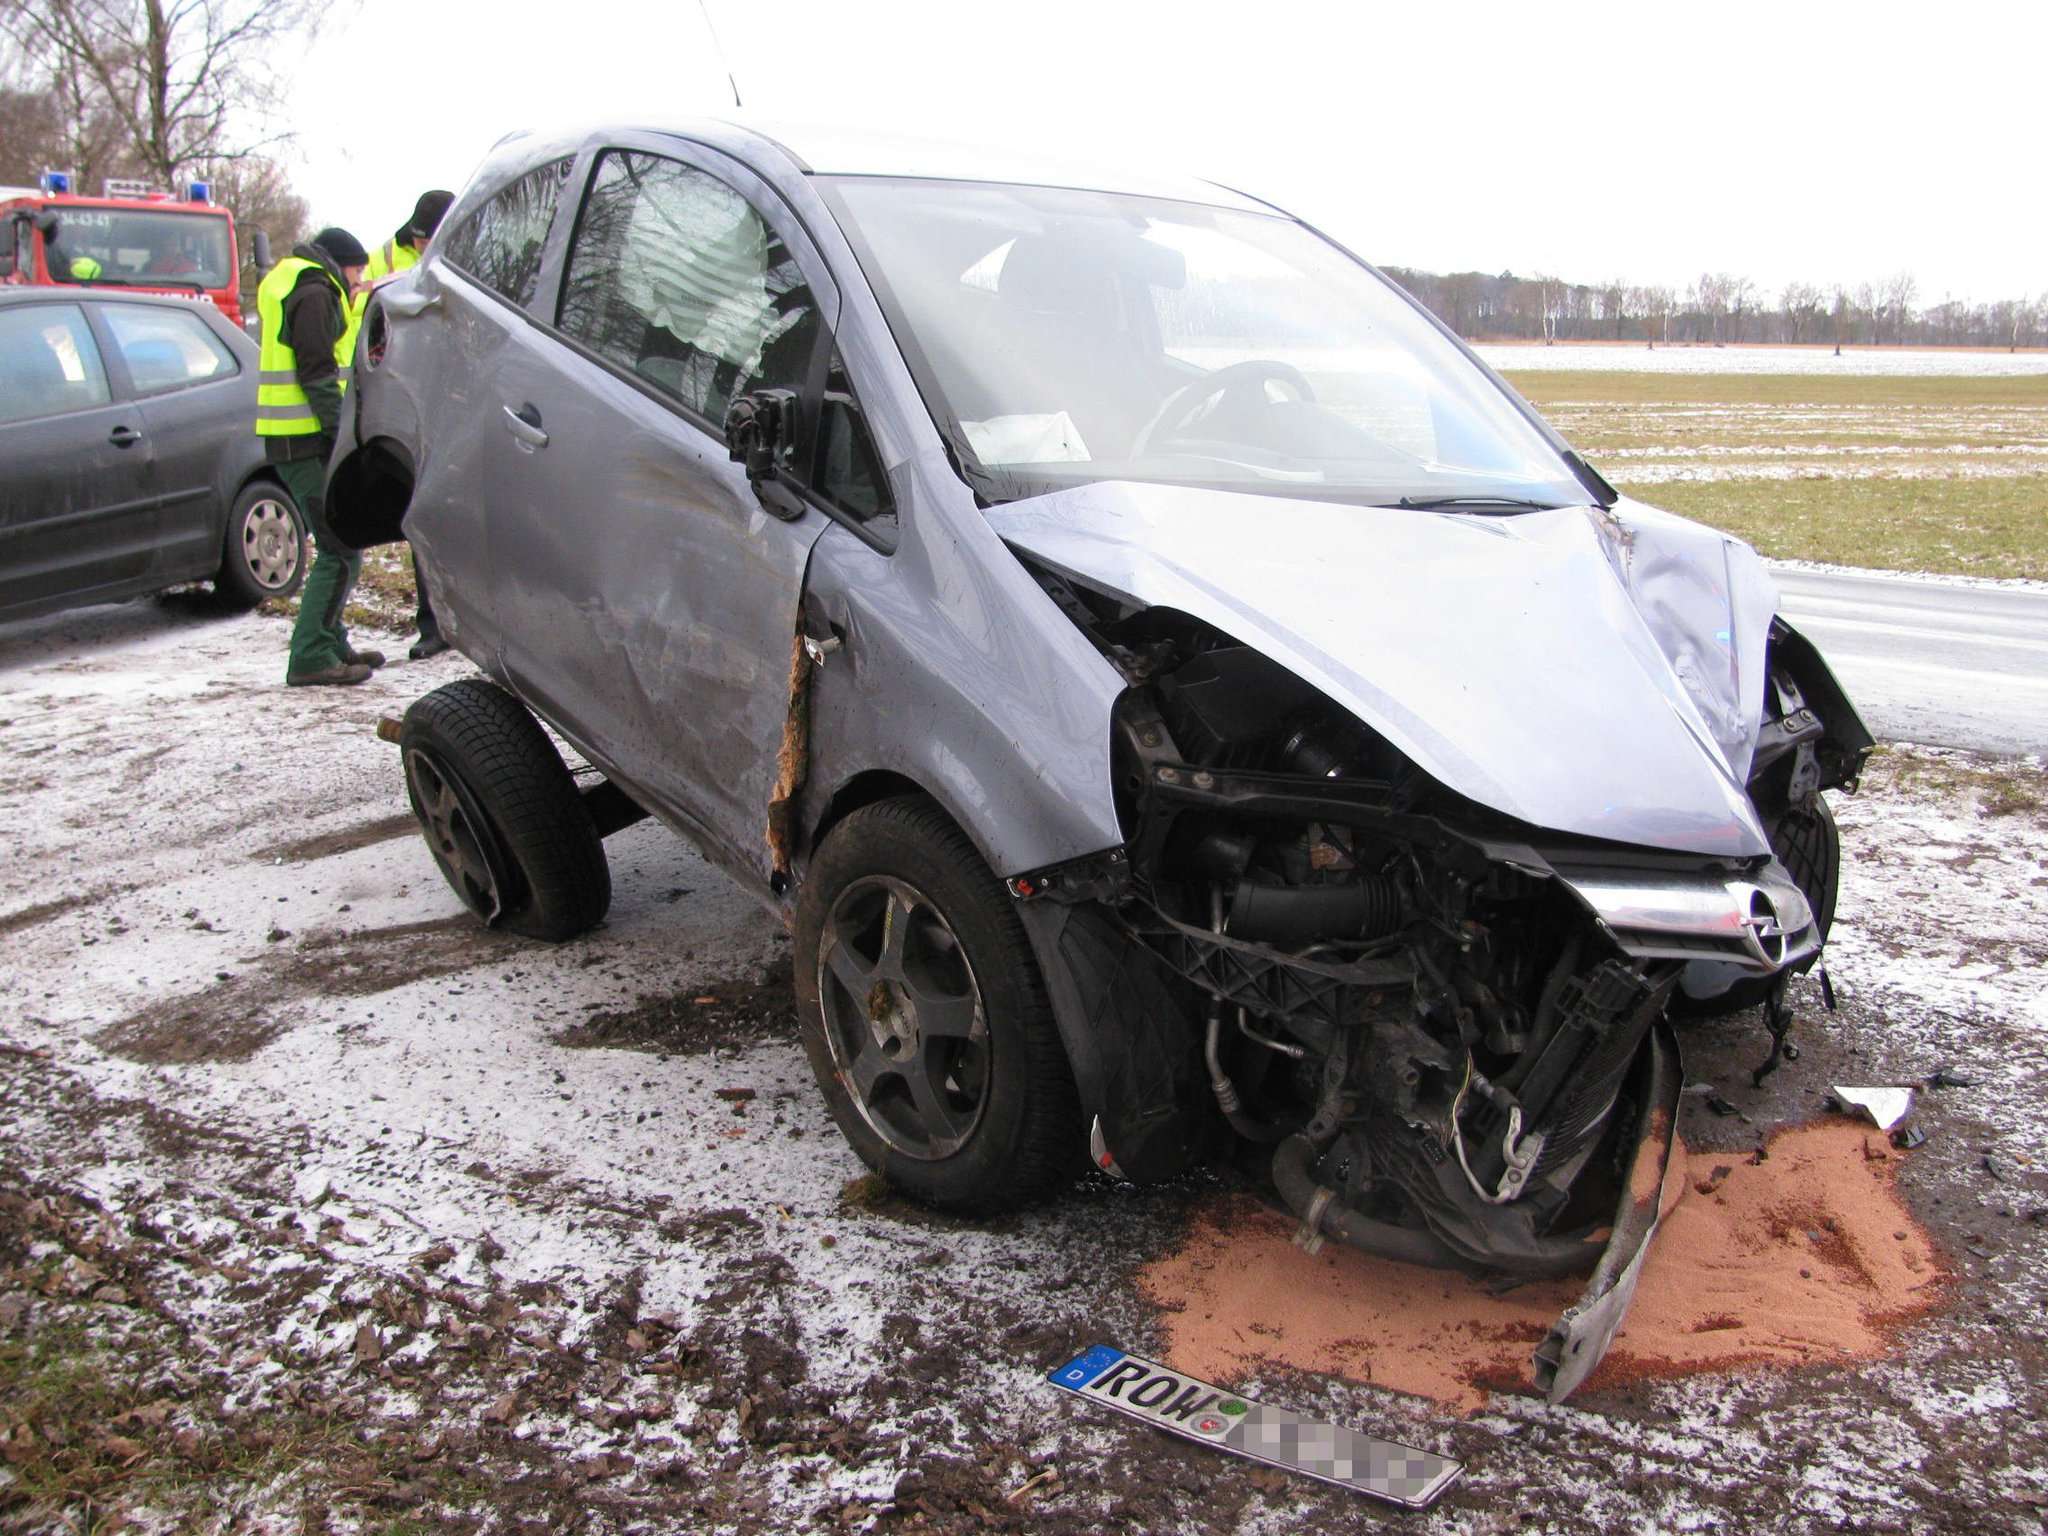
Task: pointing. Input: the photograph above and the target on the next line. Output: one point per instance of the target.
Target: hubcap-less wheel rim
(903, 1018)
(457, 834)
(270, 544)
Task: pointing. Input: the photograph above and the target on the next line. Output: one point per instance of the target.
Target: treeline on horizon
(1719, 309)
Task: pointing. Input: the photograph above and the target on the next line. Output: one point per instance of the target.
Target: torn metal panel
(792, 758)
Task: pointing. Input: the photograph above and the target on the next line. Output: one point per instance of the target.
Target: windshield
(119, 245)
(1061, 337)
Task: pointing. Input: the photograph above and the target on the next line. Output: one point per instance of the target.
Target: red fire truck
(132, 237)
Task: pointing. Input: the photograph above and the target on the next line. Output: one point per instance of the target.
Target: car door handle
(410, 303)
(124, 437)
(524, 424)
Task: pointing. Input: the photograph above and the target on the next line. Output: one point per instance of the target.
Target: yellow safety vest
(282, 409)
(388, 258)
(84, 268)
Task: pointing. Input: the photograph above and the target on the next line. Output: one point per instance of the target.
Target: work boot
(343, 674)
(370, 659)
(427, 645)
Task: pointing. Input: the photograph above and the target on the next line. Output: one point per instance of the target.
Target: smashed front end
(1442, 1029)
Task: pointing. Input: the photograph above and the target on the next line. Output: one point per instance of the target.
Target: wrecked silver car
(1182, 702)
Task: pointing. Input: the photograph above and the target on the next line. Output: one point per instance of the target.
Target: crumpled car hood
(1587, 671)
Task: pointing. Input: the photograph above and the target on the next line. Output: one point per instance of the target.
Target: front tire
(924, 1016)
(500, 813)
(264, 552)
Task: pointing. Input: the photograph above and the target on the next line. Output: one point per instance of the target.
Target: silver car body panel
(1582, 671)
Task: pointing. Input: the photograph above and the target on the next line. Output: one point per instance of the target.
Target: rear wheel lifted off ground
(500, 813)
(264, 554)
(924, 1016)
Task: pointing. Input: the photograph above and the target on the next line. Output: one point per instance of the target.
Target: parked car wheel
(500, 813)
(925, 1018)
(1809, 845)
(265, 550)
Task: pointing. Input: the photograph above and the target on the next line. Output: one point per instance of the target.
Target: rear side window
(500, 244)
(48, 362)
(165, 348)
(674, 277)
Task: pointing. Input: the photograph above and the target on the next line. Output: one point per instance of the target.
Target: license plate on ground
(1177, 1403)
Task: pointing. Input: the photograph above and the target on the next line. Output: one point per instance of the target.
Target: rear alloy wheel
(924, 1016)
(500, 813)
(265, 549)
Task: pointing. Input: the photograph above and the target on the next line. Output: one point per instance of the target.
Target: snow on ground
(378, 1214)
(1945, 362)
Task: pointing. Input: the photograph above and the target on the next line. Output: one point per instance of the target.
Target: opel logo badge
(1766, 930)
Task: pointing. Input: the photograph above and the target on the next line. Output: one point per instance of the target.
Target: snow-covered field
(356, 1217)
(1924, 362)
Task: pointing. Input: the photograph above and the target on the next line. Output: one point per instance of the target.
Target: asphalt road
(1929, 662)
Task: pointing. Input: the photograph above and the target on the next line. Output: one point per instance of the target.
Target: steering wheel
(1180, 407)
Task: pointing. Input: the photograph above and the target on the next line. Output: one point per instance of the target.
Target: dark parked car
(129, 460)
(1178, 697)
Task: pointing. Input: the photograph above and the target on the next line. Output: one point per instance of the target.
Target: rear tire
(500, 813)
(924, 1016)
(264, 552)
(1809, 845)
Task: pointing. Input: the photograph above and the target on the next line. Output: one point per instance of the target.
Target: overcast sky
(1640, 141)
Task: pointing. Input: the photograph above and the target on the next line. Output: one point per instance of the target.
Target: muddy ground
(323, 1210)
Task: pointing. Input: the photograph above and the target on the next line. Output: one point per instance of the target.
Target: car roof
(831, 151)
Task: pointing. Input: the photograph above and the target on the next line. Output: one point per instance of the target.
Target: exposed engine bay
(1441, 1031)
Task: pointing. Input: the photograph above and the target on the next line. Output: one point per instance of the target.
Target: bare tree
(1897, 299)
(187, 82)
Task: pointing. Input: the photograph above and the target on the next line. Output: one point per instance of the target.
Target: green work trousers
(319, 639)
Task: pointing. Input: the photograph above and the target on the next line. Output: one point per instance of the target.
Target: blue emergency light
(199, 192)
(55, 183)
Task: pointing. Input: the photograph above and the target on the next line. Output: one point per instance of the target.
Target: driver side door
(647, 596)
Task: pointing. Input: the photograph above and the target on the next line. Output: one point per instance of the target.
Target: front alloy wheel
(925, 1018)
(903, 1018)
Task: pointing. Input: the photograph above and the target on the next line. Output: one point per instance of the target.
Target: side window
(674, 276)
(500, 244)
(165, 348)
(849, 472)
(48, 362)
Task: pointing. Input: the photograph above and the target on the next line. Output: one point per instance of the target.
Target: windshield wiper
(1474, 503)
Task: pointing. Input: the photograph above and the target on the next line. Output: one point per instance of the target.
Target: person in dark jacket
(303, 306)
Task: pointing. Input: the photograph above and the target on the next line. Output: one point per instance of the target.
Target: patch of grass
(1976, 527)
(1998, 788)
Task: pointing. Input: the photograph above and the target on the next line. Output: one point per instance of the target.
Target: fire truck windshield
(120, 245)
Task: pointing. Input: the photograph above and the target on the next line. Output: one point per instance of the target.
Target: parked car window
(500, 244)
(849, 471)
(673, 275)
(166, 348)
(48, 362)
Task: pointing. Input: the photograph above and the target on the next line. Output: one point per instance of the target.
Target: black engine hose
(1292, 1163)
(1545, 1258)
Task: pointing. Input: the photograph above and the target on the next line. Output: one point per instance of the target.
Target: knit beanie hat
(345, 249)
(426, 214)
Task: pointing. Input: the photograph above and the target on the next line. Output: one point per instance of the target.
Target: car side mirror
(47, 225)
(263, 249)
(760, 428)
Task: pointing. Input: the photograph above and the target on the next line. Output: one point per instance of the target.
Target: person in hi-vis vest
(399, 254)
(303, 307)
